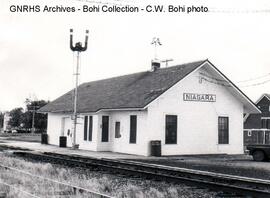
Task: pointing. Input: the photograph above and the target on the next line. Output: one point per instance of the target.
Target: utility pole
(166, 61)
(33, 118)
(77, 48)
(32, 104)
(33, 121)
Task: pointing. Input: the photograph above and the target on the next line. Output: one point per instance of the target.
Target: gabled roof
(257, 102)
(262, 96)
(135, 91)
(129, 91)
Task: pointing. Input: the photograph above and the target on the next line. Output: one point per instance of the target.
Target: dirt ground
(241, 165)
(26, 137)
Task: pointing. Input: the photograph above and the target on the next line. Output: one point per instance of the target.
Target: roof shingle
(128, 91)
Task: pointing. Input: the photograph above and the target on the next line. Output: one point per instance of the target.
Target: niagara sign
(199, 97)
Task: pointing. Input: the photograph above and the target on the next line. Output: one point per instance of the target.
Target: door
(105, 129)
(66, 127)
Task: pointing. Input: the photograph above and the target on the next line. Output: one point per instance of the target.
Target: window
(85, 127)
(105, 129)
(88, 128)
(171, 129)
(117, 130)
(133, 129)
(223, 130)
(265, 123)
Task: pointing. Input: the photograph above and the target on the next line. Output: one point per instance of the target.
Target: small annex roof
(262, 96)
(133, 91)
(259, 99)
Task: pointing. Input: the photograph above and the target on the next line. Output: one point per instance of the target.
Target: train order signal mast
(78, 48)
(156, 42)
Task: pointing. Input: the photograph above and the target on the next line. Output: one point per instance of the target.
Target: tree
(15, 117)
(40, 120)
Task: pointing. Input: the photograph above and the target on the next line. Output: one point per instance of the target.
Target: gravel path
(241, 165)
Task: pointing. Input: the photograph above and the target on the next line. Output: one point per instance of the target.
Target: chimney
(155, 64)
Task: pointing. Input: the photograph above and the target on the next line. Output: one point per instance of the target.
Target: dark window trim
(85, 128)
(90, 128)
(117, 129)
(226, 141)
(265, 123)
(133, 129)
(167, 138)
(104, 134)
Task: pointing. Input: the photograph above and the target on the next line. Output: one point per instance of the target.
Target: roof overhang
(101, 110)
(249, 106)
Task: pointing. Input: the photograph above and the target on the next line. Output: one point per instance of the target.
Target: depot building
(191, 108)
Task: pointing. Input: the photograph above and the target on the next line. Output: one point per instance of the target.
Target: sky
(36, 61)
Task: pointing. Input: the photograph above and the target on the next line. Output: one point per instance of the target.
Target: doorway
(105, 129)
(66, 130)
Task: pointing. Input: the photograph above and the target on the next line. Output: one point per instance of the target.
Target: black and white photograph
(134, 99)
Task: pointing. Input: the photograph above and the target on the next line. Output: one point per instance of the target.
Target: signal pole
(77, 48)
(156, 42)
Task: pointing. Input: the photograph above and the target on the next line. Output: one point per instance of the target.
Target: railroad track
(73, 189)
(215, 181)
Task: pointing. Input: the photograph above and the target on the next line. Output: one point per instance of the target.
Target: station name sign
(199, 97)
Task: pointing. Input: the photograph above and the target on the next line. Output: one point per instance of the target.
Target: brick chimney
(155, 64)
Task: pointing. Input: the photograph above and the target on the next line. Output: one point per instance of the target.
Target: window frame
(117, 130)
(266, 122)
(90, 132)
(87, 136)
(167, 139)
(133, 131)
(224, 141)
(105, 137)
(85, 128)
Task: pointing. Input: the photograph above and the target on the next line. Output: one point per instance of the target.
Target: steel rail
(74, 187)
(16, 188)
(236, 184)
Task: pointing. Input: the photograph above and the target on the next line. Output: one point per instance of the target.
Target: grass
(26, 137)
(98, 181)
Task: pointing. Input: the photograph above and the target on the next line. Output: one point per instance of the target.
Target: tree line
(22, 120)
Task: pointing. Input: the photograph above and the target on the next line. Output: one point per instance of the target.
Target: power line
(221, 82)
(255, 78)
(257, 84)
